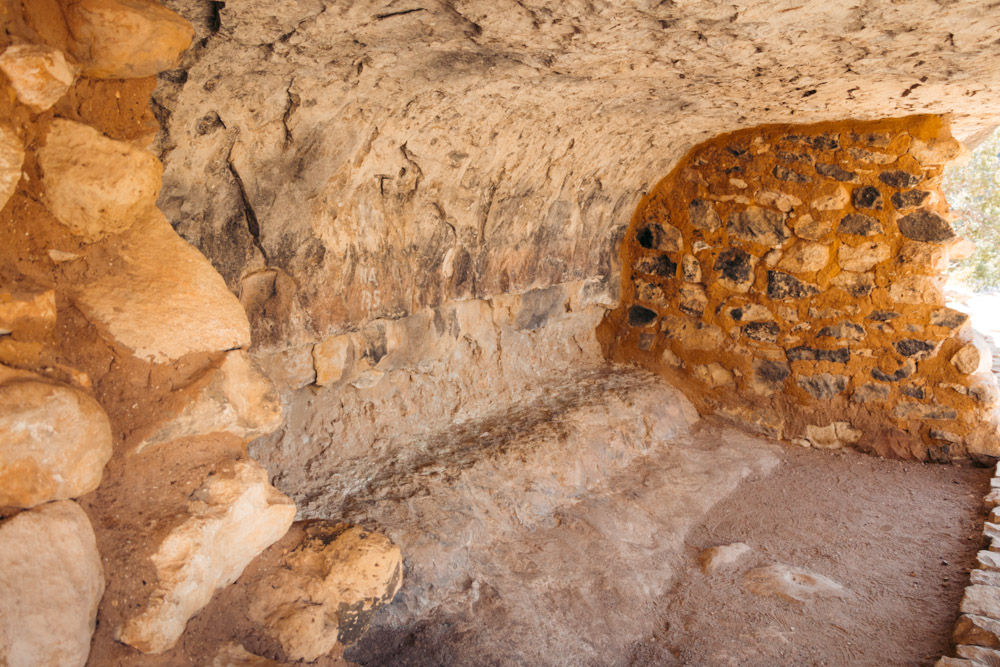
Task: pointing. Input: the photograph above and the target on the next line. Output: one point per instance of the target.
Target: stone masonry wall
(790, 278)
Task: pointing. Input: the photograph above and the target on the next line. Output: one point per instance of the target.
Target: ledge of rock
(52, 582)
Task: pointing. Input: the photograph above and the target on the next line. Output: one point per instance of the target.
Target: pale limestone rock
(929, 257)
(54, 440)
(693, 299)
(832, 436)
(792, 583)
(11, 159)
(327, 589)
(163, 299)
(234, 655)
(690, 333)
(863, 257)
(805, 227)
(39, 74)
(967, 359)
(690, 269)
(714, 375)
(937, 151)
(946, 661)
(95, 185)
(805, 258)
(856, 284)
(917, 290)
(234, 516)
(834, 202)
(52, 582)
(126, 39)
(234, 397)
(713, 559)
(979, 655)
(331, 356)
(671, 359)
(782, 201)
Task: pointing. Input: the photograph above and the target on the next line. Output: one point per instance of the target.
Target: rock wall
(791, 278)
(127, 395)
(346, 162)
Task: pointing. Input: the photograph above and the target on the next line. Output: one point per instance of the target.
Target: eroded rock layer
(790, 277)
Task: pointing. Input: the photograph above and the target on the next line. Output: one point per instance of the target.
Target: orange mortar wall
(790, 278)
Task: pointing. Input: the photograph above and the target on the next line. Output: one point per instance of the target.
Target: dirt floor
(898, 537)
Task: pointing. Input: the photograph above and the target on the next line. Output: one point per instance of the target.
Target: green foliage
(973, 191)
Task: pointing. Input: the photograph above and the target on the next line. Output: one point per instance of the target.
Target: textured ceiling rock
(162, 299)
(54, 440)
(52, 582)
(388, 156)
(95, 185)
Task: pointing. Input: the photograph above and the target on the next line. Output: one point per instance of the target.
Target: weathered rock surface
(727, 555)
(233, 397)
(163, 299)
(125, 39)
(95, 185)
(52, 582)
(54, 440)
(234, 655)
(792, 583)
(231, 518)
(11, 159)
(39, 74)
(327, 589)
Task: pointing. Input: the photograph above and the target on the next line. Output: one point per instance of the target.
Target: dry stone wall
(790, 277)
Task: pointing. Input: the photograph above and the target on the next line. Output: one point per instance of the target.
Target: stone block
(11, 160)
(52, 582)
(39, 74)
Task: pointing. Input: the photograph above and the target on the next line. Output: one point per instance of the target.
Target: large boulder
(54, 440)
(125, 39)
(230, 518)
(95, 185)
(163, 299)
(233, 397)
(327, 589)
(52, 582)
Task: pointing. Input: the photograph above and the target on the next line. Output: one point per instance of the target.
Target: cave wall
(791, 278)
(348, 163)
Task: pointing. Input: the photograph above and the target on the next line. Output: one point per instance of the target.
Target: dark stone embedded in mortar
(859, 224)
(771, 372)
(948, 317)
(823, 386)
(883, 315)
(641, 317)
(924, 225)
(844, 330)
(734, 264)
(867, 196)
(913, 391)
(911, 347)
(739, 151)
(787, 175)
(820, 142)
(649, 236)
(703, 216)
(840, 355)
(903, 372)
(835, 172)
(786, 156)
(783, 286)
(658, 265)
(898, 179)
(947, 436)
(870, 393)
(646, 341)
(909, 198)
(759, 225)
(764, 331)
